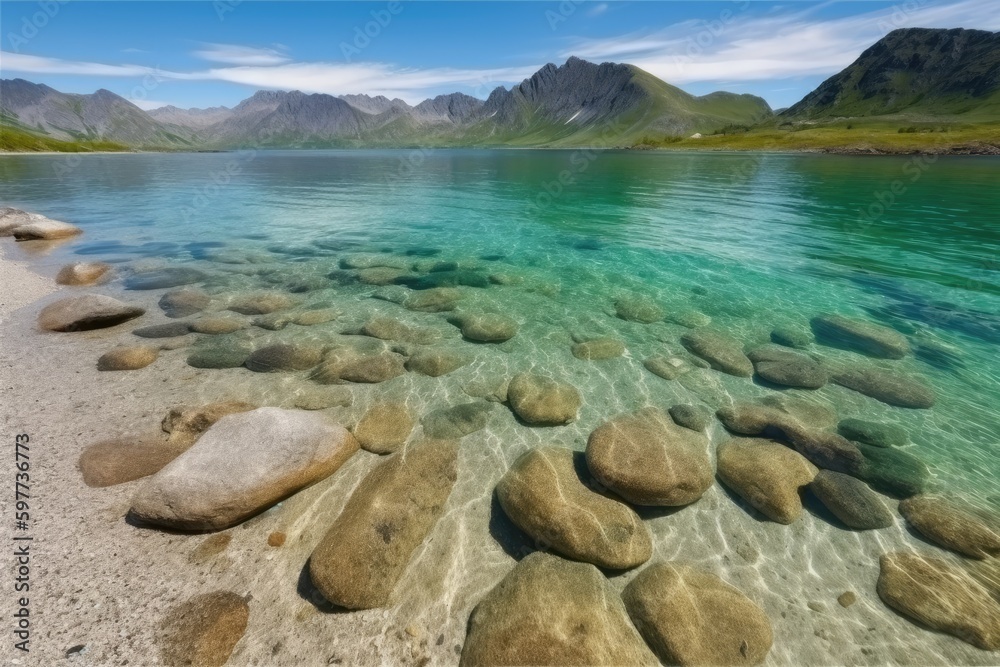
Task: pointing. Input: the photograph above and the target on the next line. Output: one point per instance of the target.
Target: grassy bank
(846, 136)
(15, 140)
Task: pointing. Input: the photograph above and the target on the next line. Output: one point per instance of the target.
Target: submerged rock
(127, 358)
(860, 336)
(380, 275)
(82, 273)
(360, 368)
(791, 337)
(691, 617)
(543, 401)
(826, 450)
(163, 278)
(647, 459)
(261, 304)
(851, 500)
(893, 471)
(695, 417)
(40, 228)
(486, 328)
(544, 494)
(781, 366)
(308, 318)
(273, 321)
(185, 302)
(217, 325)
(952, 526)
(384, 428)
(638, 309)
(362, 557)
(124, 460)
(388, 328)
(436, 362)
(720, 350)
(458, 421)
(83, 313)
(668, 368)
(904, 391)
(940, 596)
(436, 300)
(204, 630)
(225, 352)
(437, 280)
(241, 465)
(185, 423)
(767, 475)
(598, 348)
(321, 398)
(283, 357)
(872, 433)
(550, 611)
(168, 330)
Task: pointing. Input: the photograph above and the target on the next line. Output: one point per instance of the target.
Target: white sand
(19, 285)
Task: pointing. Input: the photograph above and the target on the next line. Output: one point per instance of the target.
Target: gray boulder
(243, 464)
(83, 313)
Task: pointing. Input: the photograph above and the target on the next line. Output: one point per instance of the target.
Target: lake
(570, 244)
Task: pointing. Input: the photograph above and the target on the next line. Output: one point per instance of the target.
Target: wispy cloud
(233, 54)
(731, 45)
(412, 85)
(597, 9)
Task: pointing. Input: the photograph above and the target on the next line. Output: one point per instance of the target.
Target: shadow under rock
(308, 592)
(515, 542)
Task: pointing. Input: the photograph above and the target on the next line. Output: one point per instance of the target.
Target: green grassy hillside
(16, 140)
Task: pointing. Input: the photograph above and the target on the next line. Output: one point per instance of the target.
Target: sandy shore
(21, 285)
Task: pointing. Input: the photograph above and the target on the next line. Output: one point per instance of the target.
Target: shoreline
(30, 286)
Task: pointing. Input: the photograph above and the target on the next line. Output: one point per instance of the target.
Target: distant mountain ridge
(910, 73)
(577, 103)
(919, 71)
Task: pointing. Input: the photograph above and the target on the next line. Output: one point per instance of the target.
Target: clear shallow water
(753, 242)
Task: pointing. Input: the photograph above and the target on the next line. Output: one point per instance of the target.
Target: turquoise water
(751, 241)
(741, 243)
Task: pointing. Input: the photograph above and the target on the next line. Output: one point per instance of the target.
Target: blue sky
(218, 52)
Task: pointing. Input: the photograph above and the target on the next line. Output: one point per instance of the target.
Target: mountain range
(925, 72)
